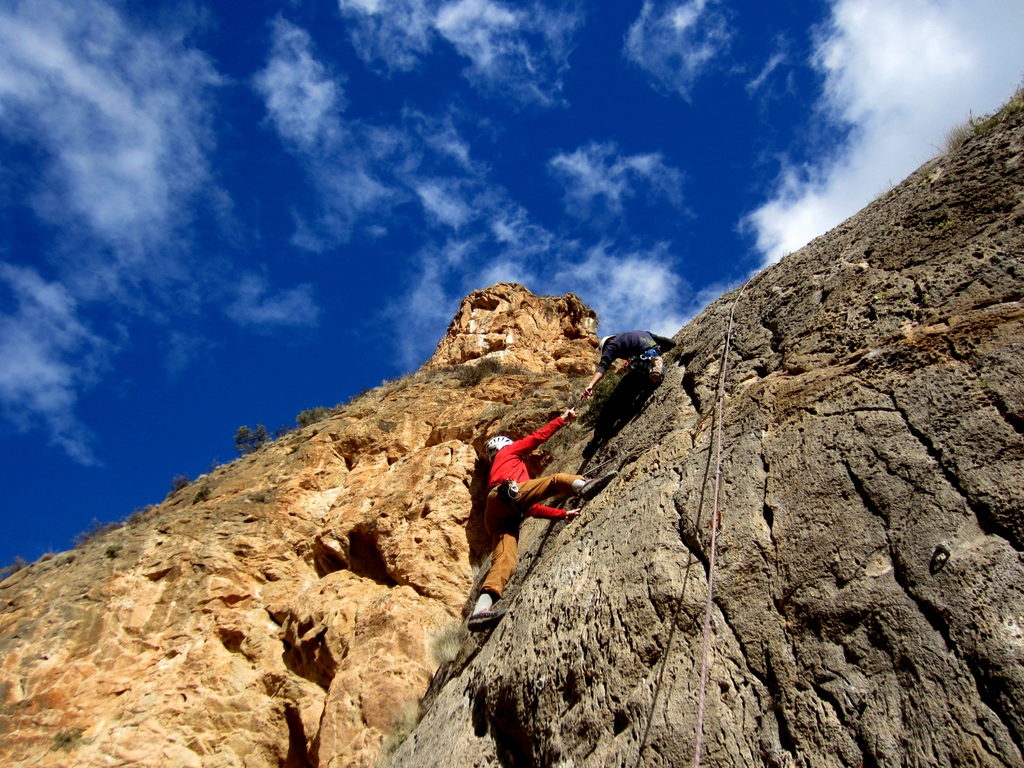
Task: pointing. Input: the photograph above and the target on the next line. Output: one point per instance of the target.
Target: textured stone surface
(279, 611)
(869, 588)
(509, 325)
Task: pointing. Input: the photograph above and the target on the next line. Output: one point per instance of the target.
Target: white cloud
(118, 115)
(398, 32)
(256, 303)
(675, 42)
(303, 100)
(47, 354)
(899, 74)
(304, 103)
(632, 290)
(598, 172)
(773, 63)
(514, 51)
(112, 130)
(442, 200)
(521, 53)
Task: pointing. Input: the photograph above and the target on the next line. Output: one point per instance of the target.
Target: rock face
(868, 594)
(280, 611)
(511, 326)
(868, 601)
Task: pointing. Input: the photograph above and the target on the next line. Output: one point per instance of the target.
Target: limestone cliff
(868, 601)
(281, 610)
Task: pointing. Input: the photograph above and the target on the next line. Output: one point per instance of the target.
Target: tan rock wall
(279, 611)
(506, 324)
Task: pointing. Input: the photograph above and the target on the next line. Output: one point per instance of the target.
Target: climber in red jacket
(511, 495)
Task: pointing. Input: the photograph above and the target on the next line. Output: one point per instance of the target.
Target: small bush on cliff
(312, 415)
(16, 565)
(604, 388)
(404, 724)
(248, 440)
(958, 134)
(68, 740)
(178, 482)
(469, 375)
(444, 646)
(96, 530)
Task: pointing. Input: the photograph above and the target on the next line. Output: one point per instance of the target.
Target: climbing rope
(716, 521)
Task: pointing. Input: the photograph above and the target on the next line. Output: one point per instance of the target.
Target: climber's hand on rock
(569, 415)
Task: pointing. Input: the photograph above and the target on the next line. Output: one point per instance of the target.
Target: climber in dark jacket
(511, 495)
(631, 344)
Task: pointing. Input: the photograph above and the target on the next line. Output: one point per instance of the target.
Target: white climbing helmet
(604, 341)
(495, 444)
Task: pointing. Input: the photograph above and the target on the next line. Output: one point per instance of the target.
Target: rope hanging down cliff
(716, 520)
(715, 523)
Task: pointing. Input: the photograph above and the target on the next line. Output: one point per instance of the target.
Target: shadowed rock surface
(869, 589)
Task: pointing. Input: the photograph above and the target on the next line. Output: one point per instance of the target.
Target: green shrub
(16, 565)
(68, 740)
(202, 494)
(178, 482)
(312, 415)
(95, 530)
(248, 440)
(604, 388)
(470, 374)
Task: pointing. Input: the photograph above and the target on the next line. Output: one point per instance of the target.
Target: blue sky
(215, 214)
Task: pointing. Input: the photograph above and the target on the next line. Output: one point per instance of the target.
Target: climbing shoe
(482, 620)
(594, 486)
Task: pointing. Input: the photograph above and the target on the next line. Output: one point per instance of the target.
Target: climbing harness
(643, 362)
(509, 490)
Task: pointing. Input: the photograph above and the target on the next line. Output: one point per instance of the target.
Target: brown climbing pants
(501, 518)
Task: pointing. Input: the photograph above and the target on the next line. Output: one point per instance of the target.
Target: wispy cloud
(118, 114)
(111, 126)
(519, 52)
(257, 303)
(515, 52)
(397, 33)
(773, 63)
(303, 100)
(443, 200)
(630, 289)
(304, 103)
(898, 75)
(598, 177)
(47, 355)
(676, 42)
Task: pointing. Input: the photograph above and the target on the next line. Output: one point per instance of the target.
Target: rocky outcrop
(868, 598)
(508, 325)
(283, 609)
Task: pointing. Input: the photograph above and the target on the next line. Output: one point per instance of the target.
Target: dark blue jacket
(625, 345)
